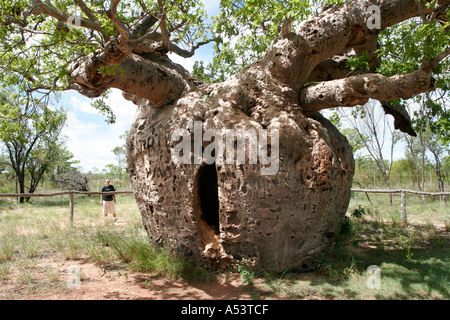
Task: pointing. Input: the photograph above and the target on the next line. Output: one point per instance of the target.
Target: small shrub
(359, 212)
(247, 276)
(346, 228)
(339, 269)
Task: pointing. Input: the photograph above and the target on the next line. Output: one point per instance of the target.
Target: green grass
(30, 232)
(379, 206)
(414, 260)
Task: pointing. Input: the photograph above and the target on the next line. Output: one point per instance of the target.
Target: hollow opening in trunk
(209, 195)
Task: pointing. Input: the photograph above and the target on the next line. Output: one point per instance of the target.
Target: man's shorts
(108, 207)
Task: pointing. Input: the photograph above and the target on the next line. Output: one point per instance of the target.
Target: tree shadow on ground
(406, 273)
(427, 269)
(424, 275)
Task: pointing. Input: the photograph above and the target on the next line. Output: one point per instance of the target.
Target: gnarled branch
(154, 77)
(49, 9)
(357, 90)
(335, 31)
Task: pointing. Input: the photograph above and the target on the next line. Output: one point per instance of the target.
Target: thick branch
(337, 30)
(441, 57)
(165, 34)
(50, 10)
(86, 10)
(144, 26)
(402, 120)
(154, 78)
(123, 31)
(357, 90)
(112, 13)
(6, 21)
(331, 69)
(189, 52)
(152, 42)
(158, 81)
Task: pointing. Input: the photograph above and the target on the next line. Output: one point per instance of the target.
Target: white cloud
(86, 142)
(398, 155)
(124, 110)
(90, 138)
(82, 105)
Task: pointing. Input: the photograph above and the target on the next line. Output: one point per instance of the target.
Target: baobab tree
(226, 211)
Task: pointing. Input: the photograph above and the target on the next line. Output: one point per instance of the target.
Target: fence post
(403, 207)
(71, 209)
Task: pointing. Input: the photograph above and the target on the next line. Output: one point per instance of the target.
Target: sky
(89, 137)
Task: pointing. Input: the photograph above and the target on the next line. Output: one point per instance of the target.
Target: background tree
(121, 154)
(404, 170)
(73, 179)
(437, 152)
(446, 166)
(430, 115)
(113, 170)
(355, 138)
(29, 137)
(378, 137)
(65, 172)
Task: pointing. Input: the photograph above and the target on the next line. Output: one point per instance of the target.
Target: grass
(35, 231)
(414, 260)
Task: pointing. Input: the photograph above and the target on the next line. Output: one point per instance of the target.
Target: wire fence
(403, 193)
(71, 195)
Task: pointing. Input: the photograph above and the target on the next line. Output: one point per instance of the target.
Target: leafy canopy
(38, 46)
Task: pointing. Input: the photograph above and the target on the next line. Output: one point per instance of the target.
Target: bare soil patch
(114, 283)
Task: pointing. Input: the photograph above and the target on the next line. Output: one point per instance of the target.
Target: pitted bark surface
(281, 221)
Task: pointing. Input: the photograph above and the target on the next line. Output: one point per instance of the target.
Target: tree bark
(153, 77)
(357, 90)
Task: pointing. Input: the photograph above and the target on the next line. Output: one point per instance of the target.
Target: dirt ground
(83, 280)
(55, 278)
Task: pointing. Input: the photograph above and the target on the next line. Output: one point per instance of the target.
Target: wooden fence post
(403, 207)
(71, 209)
(70, 193)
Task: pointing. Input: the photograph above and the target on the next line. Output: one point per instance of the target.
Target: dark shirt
(108, 197)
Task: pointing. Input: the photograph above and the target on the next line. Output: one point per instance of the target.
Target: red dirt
(97, 283)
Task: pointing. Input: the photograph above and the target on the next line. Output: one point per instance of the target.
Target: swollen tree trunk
(227, 211)
(281, 220)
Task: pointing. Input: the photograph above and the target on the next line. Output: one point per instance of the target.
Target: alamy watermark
(74, 20)
(374, 20)
(373, 277)
(74, 280)
(227, 146)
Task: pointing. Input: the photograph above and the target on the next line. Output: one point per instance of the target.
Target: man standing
(107, 201)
